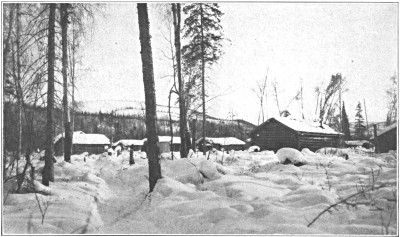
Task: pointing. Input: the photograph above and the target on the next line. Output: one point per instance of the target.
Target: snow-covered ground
(249, 193)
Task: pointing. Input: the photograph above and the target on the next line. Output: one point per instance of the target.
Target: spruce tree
(345, 124)
(359, 126)
(203, 30)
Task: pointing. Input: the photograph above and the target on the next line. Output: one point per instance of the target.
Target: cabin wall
(78, 148)
(90, 148)
(273, 136)
(388, 141)
(233, 147)
(317, 141)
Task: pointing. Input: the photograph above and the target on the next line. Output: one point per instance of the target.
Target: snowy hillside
(249, 193)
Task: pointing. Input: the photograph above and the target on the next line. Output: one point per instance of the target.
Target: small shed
(82, 142)
(279, 132)
(363, 143)
(125, 143)
(164, 144)
(228, 143)
(387, 138)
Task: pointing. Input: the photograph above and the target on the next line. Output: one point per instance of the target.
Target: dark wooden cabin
(387, 138)
(280, 132)
(82, 142)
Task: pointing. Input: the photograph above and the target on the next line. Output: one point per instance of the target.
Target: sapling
(352, 200)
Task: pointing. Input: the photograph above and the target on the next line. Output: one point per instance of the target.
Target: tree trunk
(150, 95)
(176, 10)
(48, 170)
(7, 43)
(203, 79)
(194, 135)
(67, 120)
(73, 64)
(19, 89)
(171, 131)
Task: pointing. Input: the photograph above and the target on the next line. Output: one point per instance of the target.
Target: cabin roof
(386, 129)
(303, 126)
(128, 142)
(176, 140)
(80, 137)
(224, 140)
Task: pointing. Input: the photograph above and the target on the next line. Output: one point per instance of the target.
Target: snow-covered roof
(387, 129)
(303, 126)
(61, 135)
(128, 142)
(177, 140)
(80, 137)
(224, 140)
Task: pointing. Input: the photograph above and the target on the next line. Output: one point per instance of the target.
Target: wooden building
(82, 142)
(281, 132)
(387, 138)
(228, 143)
(164, 144)
(128, 143)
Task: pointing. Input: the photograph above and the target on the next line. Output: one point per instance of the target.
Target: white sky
(309, 41)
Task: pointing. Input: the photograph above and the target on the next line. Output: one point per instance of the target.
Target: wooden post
(376, 139)
(131, 160)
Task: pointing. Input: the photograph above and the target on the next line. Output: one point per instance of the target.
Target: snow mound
(307, 152)
(182, 170)
(166, 186)
(209, 170)
(290, 154)
(308, 195)
(254, 149)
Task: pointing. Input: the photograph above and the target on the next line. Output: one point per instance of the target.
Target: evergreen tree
(345, 124)
(204, 32)
(359, 126)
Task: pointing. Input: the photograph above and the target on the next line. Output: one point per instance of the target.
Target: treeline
(115, 127)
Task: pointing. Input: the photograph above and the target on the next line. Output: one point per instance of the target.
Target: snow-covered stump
(290, 155)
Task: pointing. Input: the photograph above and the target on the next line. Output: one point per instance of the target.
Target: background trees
(392, 101)
(359, 127)
(204, 32)
(345, 124)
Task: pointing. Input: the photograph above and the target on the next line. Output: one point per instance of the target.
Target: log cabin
(279, 132)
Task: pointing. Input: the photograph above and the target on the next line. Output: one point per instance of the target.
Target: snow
(80, 137)
(254, 149)
(176, 140)
(237, 193)
(304, 126)
(224, 140)
(128, 142)
(293, 155)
